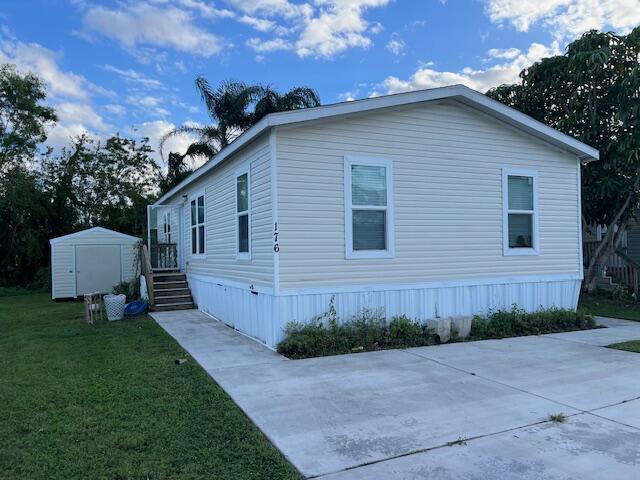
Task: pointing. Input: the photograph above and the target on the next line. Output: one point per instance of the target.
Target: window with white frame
(243, 215)
(368, 208)
(198, 228)
(520, 212)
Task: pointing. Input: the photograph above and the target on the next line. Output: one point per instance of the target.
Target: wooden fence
(618, 265)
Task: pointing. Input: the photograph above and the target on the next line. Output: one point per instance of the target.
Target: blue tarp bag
(135, 308)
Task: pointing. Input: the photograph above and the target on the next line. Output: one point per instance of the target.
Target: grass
(108, 401)
(608, 307)
(558, 418)
(631, 346)
(14, 291)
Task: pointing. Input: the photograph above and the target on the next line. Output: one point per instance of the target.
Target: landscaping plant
(369, 330)
(366, 331)
(518, 322)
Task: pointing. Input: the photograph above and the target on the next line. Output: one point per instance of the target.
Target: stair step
(169, 285)
(173, 306)
(168, 292)
(169, 278)
(172, 300)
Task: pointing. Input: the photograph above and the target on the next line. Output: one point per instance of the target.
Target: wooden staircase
(167, 290)
(171, 292)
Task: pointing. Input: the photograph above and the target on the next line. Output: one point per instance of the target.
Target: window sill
(515, 252)
(364, 254)
(243, 256)
(200, 256)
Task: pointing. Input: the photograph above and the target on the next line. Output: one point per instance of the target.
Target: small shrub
(41, 280)
(369, 330)
(366, 331)
(517, 322)
(130, 289)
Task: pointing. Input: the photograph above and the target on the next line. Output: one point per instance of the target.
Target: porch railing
(164, 256)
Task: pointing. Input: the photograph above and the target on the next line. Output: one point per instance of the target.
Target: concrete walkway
(475, 410)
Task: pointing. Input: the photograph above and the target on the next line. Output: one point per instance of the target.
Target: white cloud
(134, 77)
(260, 24)
(566, 18)
(149, 105)
(70, 94)
(115, 109)
(60, 135)
(479, 79)
(262, 46)
(339, 26)
(282, 8)
(138, 24)
(70, 113)
(155, 130)
(206, 9)
(32, 57)
(325, 29)
(396, 46)
(506, 53)
(146, 101)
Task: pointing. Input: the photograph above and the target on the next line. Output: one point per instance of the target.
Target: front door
(165, 236)
(97, 268)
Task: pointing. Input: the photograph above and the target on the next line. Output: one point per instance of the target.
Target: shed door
(97, 268)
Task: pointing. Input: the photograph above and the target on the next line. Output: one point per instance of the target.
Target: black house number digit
(276, 233)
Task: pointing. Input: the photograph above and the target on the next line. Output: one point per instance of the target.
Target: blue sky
(129, 65)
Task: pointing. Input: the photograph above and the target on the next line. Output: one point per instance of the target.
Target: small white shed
(92, 260)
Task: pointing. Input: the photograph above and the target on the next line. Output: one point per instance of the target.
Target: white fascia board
(459, 92)
(82, 233)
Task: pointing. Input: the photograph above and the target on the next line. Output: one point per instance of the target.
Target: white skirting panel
(238, 307)
(264, 316)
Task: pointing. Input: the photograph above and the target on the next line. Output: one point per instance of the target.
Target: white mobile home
(91, 261)
(431, 203)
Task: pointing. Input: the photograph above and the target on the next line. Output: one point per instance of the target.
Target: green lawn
(606, 307)
(108, 401)
(632, 346)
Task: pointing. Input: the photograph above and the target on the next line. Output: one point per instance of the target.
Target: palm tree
(229, 106)
(271, 101)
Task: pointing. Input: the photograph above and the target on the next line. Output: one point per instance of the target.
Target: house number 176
(276, 234)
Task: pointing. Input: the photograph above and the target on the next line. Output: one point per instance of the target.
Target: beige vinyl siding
(220, 211)
(62, 258)
(447, 181)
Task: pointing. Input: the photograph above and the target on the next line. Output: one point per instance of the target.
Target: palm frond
(300, 97)
(200, 149)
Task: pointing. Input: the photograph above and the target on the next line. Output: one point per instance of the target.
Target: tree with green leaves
(24, 209)
(23, 117)
(103, 182)
(592, 93)
(234, 107)
(177, 170)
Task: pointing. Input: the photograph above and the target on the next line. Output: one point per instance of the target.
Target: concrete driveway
(461, 411)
